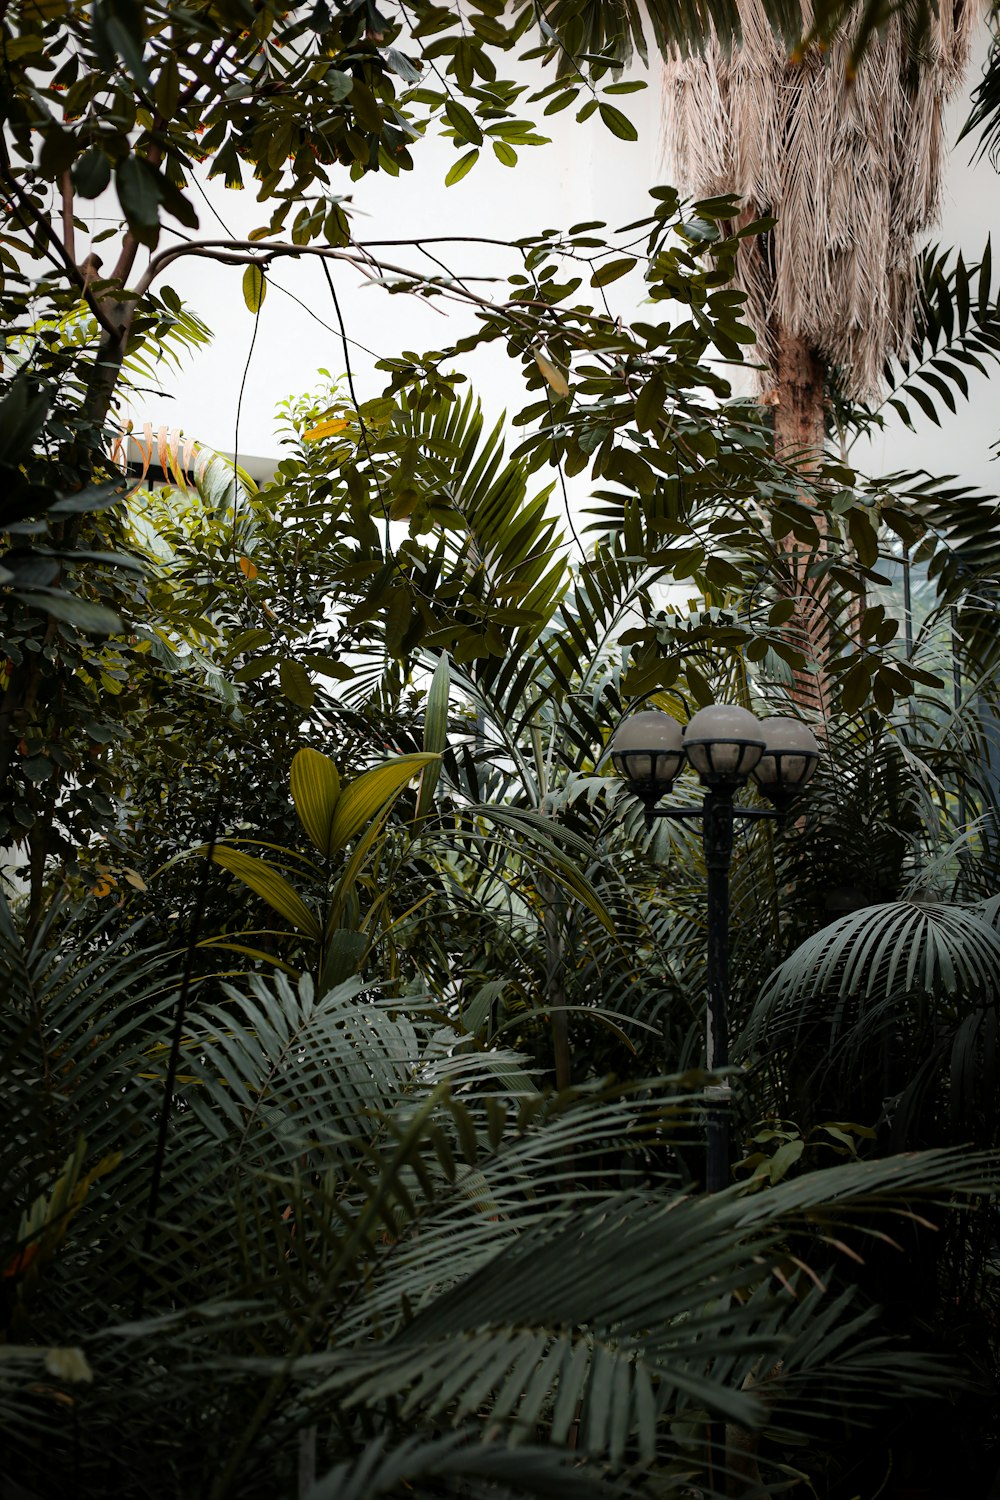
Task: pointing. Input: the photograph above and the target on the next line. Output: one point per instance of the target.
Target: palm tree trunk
(799, 437)
(799, 412)
(555, 981)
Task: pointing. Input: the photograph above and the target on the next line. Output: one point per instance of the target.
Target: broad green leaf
(781, 612)
(605, 274)
(91, 173)
(463, 122)
(463, 166)
(864, 538)
(315, 792)
(342, 957)
(328, 666)
(338, 83)
(649, 403)
(296, 684)
(254, 288)
(93, 619)
(619, 124)
(265, 881)
(369, 792)
(140, 201)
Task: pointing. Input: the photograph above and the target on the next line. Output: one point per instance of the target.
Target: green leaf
(649, 403)
(37, 767)
(342, 957)
(505, 154)
(254, 288)
(619, 124)
(605, 274)
(435, 736)
(139, 197)
(782, 612)
(568, 96)
(315, 793)
(328, 666)
(864, 537)
(338, 84)
(269, 884)
(462, 167)
(92, 619)
(296, 684)
(370, 792)
(784, 1159)
(91, 173)
(464, 122)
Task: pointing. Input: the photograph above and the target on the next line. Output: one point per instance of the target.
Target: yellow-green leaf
(266, 882)
(555, 377)
(370, 792)
(254, 288)
(463, 166)
(69, 1365)
(325, 429)
(315, 792)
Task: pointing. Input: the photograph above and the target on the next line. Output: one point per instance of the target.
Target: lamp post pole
(717, 838)
(726, 746)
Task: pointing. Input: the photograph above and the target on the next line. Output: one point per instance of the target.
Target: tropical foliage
(352, 1028)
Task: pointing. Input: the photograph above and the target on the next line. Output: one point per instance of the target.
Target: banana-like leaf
(265, 881)
(316, 792)
(370, 792)
(359, 854)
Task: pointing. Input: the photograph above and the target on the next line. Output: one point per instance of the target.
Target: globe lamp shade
(724, 744)
(790, 757)
(647, 750)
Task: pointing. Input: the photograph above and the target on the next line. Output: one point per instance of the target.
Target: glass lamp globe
(790, 757)
(724, 743)
(647, 750)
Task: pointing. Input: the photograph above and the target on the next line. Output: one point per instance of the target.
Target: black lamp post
(726, 746)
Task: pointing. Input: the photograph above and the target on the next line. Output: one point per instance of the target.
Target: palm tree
(849, 167)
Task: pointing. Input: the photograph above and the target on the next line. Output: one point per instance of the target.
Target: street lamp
(726, 746)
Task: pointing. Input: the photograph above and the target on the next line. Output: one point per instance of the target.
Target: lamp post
(726, 746)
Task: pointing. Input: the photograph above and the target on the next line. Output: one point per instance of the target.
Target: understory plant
(349, 1250)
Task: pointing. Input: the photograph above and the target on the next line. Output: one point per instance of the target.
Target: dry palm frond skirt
(851, 170)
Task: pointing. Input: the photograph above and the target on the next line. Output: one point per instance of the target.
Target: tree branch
(49, 243)
(69, 228)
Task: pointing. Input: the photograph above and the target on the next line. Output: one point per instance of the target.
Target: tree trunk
(799, 437)
(799, 433)
(555, 981)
